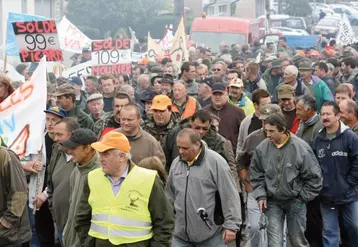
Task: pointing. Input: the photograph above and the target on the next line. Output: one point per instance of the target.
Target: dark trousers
(314, 223)
(45, 227)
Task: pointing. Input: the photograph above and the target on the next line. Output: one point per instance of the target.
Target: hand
(262, 204)
(228, 236)
(29, 167)
(38, 166)
(39, 200)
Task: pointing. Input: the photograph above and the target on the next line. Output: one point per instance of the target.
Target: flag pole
(5, 55)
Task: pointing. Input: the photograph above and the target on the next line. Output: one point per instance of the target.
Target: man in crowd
(86, 160)
(14, 219)
(111, 120)
(230, 115)
(143, 144)
(107, 83)
(95, 105)
(251, 122)
(91, 85)
(286, 96)
(336, 148)
(273, 75)
(59, 173)
(349, 114)
(66, 99)
(143, 83)
(122, 204)
(315, 85)
(183, 104)
(321, 70)
(219, 69)
(343, 92)
(187, 75)
(201, 72)
(238, 98)
(201, 171)
(254, 80)
(349, 71)
(232, 75)
(167, 82)
(136, 72)
(285, 175)
(163, 118)
(81, 96)
(205, 91)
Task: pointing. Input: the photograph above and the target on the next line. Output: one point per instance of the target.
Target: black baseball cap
(80, 137)
(219, 87)
(208, 81)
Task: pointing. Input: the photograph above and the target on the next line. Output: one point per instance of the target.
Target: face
(305, 73)
(51, 120)
(319, 72)
(107, 86)
(60, 132)
(3, 90)
(77, 88)
(95, 106)
(203, 90)
(136, 74)
(110, 161)
(157, 86)
(118, 105)
(219, 99)
(147, 107)
(191, 73)
(272, 133)
(64, 102)
(90, 86)
(328, 117)
(144, 82)
(344, 68)
(169, 70)
(236, 92)
(179, 91)
(187, 150)
(284, 64)
(263, 101)
(161, 118)
(166, 88)
(130, 122)
(287, 104)
(200, 73)
(80, 153)
(301, 113)
(340, 97)
(231, 77)
(218, 69)
(288, 78)
(346, 115)
(201, 127)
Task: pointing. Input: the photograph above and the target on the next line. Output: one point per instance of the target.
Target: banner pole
(5, 55)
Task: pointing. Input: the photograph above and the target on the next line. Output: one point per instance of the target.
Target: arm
(168, 149)
(162, 215)
(51, 168)
(327, 94)
(157, 150)
(230, 157)
(311, 174)
(352, 177)
(84, 214)
(257, 173)
(241, 138)
(15, 182)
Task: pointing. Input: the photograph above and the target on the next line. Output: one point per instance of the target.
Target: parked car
(351, 13)
(285, 21)
(328, 27)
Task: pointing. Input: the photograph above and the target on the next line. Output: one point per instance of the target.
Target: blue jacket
(338, 159)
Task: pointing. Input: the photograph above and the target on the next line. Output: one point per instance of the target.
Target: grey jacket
(285, 173)
(194, 187)
(243, 132)
(308, 131)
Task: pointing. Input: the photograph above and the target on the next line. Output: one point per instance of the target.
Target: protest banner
(166, 42)
(37, 39)
(81, 70)
(22, 120)
(154, 49)
(345, 34)
(111, 57)
(11, 72)
(179, 52)
(11, 45)
(71, 38)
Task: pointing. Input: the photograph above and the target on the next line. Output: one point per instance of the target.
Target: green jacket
(77, 180)
(271, 81)
(83, 119)
(161, 211)
(14, 221)
(308, 131)
(322, 93)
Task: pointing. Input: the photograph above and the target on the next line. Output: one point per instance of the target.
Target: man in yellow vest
(122, 204)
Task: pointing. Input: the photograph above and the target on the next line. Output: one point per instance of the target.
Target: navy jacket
(338, 159)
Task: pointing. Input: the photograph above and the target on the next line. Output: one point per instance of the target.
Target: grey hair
(142, 77)
(128, 155)
(308, 102)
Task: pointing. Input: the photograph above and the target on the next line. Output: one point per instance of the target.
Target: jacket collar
(92, 163)
(341, 129)
(200, 158)
(139, 134)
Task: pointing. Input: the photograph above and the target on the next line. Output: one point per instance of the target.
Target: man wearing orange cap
(163, 119)
(121, 203)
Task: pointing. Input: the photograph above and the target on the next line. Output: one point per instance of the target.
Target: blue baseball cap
(58, 111)
(75, 80)
(219, 88)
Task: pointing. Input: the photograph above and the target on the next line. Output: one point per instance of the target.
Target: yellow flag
(179, 52)
(153, 49)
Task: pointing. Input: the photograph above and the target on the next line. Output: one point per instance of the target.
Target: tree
(108, 16)
(297, 8)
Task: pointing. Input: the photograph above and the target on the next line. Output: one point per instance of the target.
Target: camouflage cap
(64, 89)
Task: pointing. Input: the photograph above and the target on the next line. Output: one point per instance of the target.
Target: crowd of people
(249, 139)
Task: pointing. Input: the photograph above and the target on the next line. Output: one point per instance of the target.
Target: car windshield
(291, 23)
(213, 39)
(328, 22)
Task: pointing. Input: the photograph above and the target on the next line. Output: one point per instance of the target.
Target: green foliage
(297, 8)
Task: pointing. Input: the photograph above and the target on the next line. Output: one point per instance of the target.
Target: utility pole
(267, 22)
(178, 12)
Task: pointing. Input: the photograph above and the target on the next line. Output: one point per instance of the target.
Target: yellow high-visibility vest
(124, 218)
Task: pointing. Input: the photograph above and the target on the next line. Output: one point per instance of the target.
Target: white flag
(154, 49)
(179, 52)
(22, 117)
(345, 34)
(71, 38)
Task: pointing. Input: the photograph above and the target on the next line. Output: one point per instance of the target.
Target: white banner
(71, 38)
(154, 49)
(179, 52)
(345, 34)
(11, 72)
(81, 70)
(22, 117)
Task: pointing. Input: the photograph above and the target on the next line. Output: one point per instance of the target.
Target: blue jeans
(254, 214)
(34, 240)
(214, 241)
(349, 214)
(60, 236)
(295, 213)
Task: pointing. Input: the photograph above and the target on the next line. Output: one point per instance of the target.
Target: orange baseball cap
(161, 102)
(112, 140)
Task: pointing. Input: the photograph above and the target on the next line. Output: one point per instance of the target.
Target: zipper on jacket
(278, 172)
(185, 210)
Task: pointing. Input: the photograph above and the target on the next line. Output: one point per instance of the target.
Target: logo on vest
(340, 153)
(321, 153)
(134, 196)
